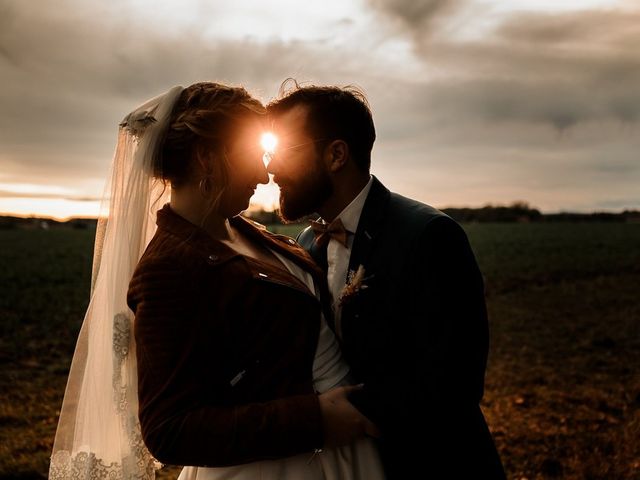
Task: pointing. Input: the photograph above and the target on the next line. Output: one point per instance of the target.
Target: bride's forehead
(249, 126)
(246, 135)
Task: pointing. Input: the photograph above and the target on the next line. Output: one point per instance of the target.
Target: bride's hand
(343, 423)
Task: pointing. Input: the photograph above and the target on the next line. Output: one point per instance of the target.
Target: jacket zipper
(266, 278)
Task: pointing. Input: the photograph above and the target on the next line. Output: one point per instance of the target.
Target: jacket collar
(216, 252)
(282, 244)
(350, 215)
(293, 251)
(213, 250)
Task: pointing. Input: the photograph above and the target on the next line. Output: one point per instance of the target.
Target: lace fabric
(98, 435)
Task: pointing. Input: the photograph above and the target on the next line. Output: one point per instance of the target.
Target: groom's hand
(343, 423)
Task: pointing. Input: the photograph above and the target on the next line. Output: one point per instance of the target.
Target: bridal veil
(98, 433)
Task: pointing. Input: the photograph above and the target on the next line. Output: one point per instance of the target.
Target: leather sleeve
(178, 426)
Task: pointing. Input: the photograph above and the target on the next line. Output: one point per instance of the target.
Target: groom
(407, 293)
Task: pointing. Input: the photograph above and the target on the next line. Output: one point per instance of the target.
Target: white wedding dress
(358, 461)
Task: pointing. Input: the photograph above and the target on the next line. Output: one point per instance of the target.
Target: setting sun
(268, 142)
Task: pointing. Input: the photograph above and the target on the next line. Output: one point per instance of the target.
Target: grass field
(563, 382)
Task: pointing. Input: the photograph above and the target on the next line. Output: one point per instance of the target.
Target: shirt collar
(350, 215)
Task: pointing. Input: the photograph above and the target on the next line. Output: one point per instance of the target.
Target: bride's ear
(336, 155)
(203, 162)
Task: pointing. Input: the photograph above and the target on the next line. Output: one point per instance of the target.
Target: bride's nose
(262, 176)
(272, 164)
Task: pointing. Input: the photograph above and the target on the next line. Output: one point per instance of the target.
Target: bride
(205, 342)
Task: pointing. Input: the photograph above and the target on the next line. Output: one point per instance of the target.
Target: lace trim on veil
(85, 465)
(140, 465)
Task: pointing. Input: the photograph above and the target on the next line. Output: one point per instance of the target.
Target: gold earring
(205, 186)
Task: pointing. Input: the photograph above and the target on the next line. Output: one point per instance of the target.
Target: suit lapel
(369, 226)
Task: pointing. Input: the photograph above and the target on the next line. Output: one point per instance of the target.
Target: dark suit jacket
(225, 347)
(417, 337)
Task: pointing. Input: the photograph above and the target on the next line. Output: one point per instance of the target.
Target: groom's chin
(292, 209)
(288, 214)
(304, 199)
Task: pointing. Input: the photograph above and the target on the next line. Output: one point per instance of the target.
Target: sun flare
(268, 141)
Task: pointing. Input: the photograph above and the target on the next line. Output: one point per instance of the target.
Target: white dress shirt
(337, 254)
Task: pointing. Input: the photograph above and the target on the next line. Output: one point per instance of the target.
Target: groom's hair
(335, 113)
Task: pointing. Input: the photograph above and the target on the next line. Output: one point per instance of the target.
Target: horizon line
(619, 211)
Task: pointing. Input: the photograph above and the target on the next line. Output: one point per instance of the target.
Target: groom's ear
(336, 155)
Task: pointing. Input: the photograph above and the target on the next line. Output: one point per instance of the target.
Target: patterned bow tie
(326, 231)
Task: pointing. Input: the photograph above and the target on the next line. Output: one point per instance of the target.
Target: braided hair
(202, 124)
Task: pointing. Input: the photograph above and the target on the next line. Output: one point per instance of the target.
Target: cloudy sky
(475, 101)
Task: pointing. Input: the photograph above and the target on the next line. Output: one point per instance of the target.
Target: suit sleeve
(442, 328)
(178, 425)
(451, 318)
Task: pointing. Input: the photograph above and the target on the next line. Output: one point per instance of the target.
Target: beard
(304, 195)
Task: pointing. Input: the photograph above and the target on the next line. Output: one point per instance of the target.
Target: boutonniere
(355, 283)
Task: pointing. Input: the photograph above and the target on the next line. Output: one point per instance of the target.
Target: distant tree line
(521, 212)
(517, 212)
(35, 223)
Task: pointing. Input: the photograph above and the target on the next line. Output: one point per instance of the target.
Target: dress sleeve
(178, 426)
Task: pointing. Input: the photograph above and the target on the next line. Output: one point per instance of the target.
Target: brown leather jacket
(225, 346)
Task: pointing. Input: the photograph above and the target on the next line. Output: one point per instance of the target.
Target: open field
(563, 383)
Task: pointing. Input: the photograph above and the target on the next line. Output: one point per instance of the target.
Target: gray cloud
(546, 108)
(422, 17)
(590, 27)
(562, 70)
